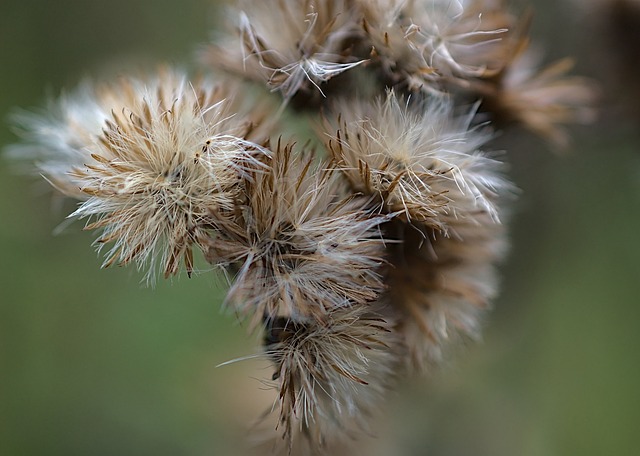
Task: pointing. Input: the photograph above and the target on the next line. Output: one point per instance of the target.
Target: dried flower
(419, 159)
(288, 44)
(540, 100)
(425, 163)
(361, 259)
(459, 38)
(151, 160)
(385, 24)
(301, 245)
(419, 44)
(330, 376)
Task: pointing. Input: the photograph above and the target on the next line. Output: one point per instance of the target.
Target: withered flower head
(460, 38)
(151, 161)
(440, 286)
(424, 163)
(540, 100)
(386, 24)
(331, 376)
(359, 267)
(421, 43)
(301, 247)
(419, 159)
(289, 44)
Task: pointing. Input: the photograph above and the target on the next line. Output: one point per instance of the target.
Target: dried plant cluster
(361, 259)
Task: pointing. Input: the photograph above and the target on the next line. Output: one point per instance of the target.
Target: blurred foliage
(92, 363)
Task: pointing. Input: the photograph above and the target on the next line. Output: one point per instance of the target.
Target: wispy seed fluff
(290, 45)
(424, 164)
(300, 245)
(419, 159)
(153, 162)
(421, 45)
(329, 377)
(460, 38)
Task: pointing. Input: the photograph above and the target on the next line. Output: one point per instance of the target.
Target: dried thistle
(425, 164)
(419, 159)
(302, 247)
(152, 161)
(422, 44)
(540, 100)
(459, 38)
(330, 376)
(357, 265)
(385, 25)
(288, 44)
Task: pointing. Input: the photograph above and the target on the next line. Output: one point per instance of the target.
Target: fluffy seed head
(329, 376)
(386, 25)
(440, 286)
(421, 45)
(151, 160)
(290, 44)
(301, 248)
(420, 160)
(461, 38)
(540, 100)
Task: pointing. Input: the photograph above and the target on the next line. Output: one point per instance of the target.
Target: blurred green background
(93, 363)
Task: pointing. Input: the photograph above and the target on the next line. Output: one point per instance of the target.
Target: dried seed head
(151, 160)
(440, 286)
(301, 247)
(329, 376)
(461, 38)
(288, 44)
(386, 24)
(421, 44)
(540, 100)
(421, 160)
(424, 163)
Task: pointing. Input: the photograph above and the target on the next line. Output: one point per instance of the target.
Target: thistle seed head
(329, 377)
(422, 45)
(461, 38)
(153, 161)
(420, 159)
(301, 247)
(290, 45)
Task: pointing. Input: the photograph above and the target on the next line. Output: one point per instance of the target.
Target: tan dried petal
(541, 100)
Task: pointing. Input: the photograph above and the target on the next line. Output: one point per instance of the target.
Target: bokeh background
(93, 363)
